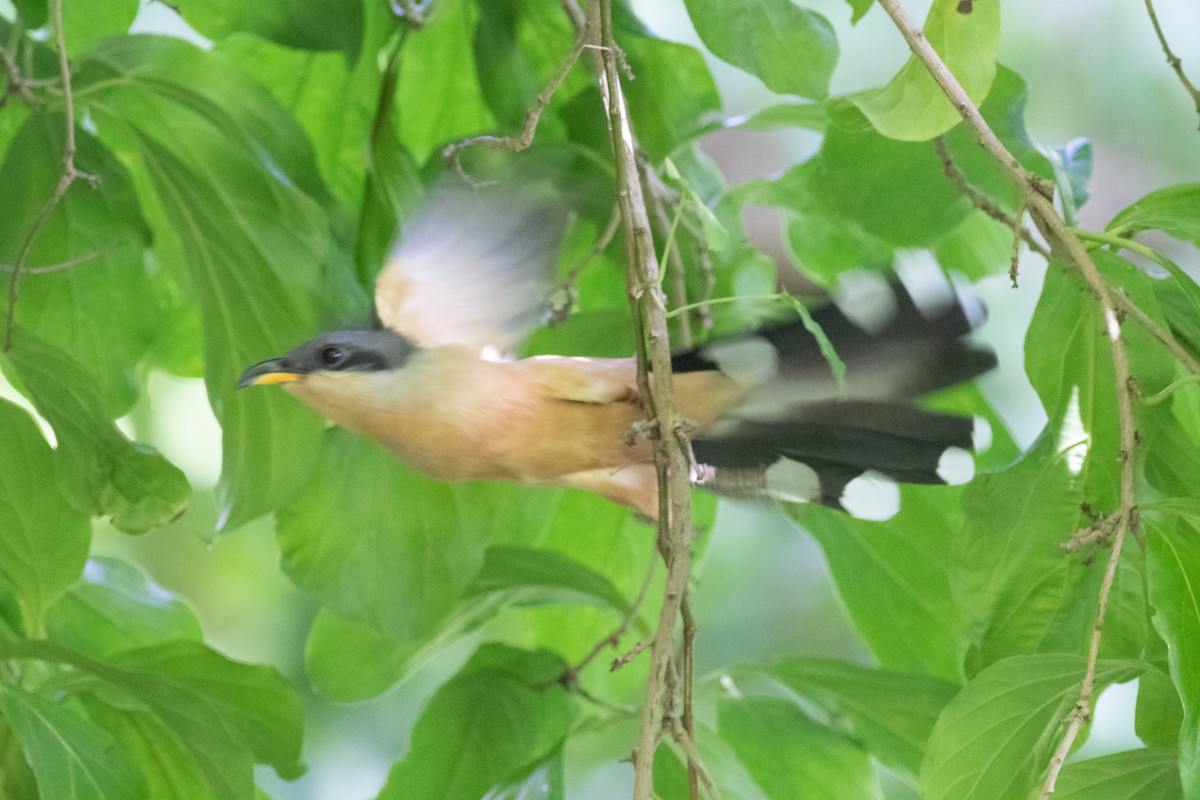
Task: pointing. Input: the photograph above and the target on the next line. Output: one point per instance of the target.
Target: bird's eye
(332, 356)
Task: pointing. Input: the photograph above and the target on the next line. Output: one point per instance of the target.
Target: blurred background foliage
(254, 162)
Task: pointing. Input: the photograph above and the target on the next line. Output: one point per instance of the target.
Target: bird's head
(333, 356)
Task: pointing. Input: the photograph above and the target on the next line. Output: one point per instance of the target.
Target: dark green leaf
(504, 709)
(43, 540)
(1173, 562)
(115, 607)
(912, 106)
(891, 713)
(1150, 774)
(790, 756)
(894, 578)
(71, 757)
(303, 24)
(83, 309)
(542, 577)
(995, 738)
(32, 12)
(102, 471)
(544, 782)
(791, 49)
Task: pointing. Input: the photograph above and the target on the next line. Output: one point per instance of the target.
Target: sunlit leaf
(791, 49)
(1149, 774)
(912, 106)
(995, 738)
(102, 471)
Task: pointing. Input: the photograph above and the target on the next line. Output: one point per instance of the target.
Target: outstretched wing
(474, 267)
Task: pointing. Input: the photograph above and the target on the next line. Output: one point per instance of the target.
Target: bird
(467, 279)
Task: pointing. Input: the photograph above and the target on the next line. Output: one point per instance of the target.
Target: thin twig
(71, 262)
(696, 768)
(614, 638)
(453, 152)
(1172, 59)
(687, 665)
(1038, 198)
(69, 176)
(658, 400)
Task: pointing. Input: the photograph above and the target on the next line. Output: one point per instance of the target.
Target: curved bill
(267, 372)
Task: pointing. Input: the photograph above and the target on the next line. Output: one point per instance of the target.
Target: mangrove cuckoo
(469, 276)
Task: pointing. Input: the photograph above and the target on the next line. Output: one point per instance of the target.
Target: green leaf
(348, 660)
(302, 24)
(809, 116)
(169, 768)
(664, 117)
(1004, 111)
(1174, 210)
(102, 471)
(912, 106)
(1173, 562)
(1078, 370)
(1072, 164)
(228, 713)
(791, 49)
(995, 737)
(891, 713)
(379, 541)
(504, 709)
(437, 105)
(790, 756)
(894, 578)
(1149, 774)
(87, 21)
(979, 247)
(83, 309)
(544, 782)
(115, 607)
(260, 261)
(860, 8)
(1158, 715)
(43, 540)
(1018, 591)
(869, 184)
(542, 577)
(71, 757)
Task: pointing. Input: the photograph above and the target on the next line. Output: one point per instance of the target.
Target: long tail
(796, 436)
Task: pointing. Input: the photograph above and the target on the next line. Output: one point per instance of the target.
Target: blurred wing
(473, 267)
